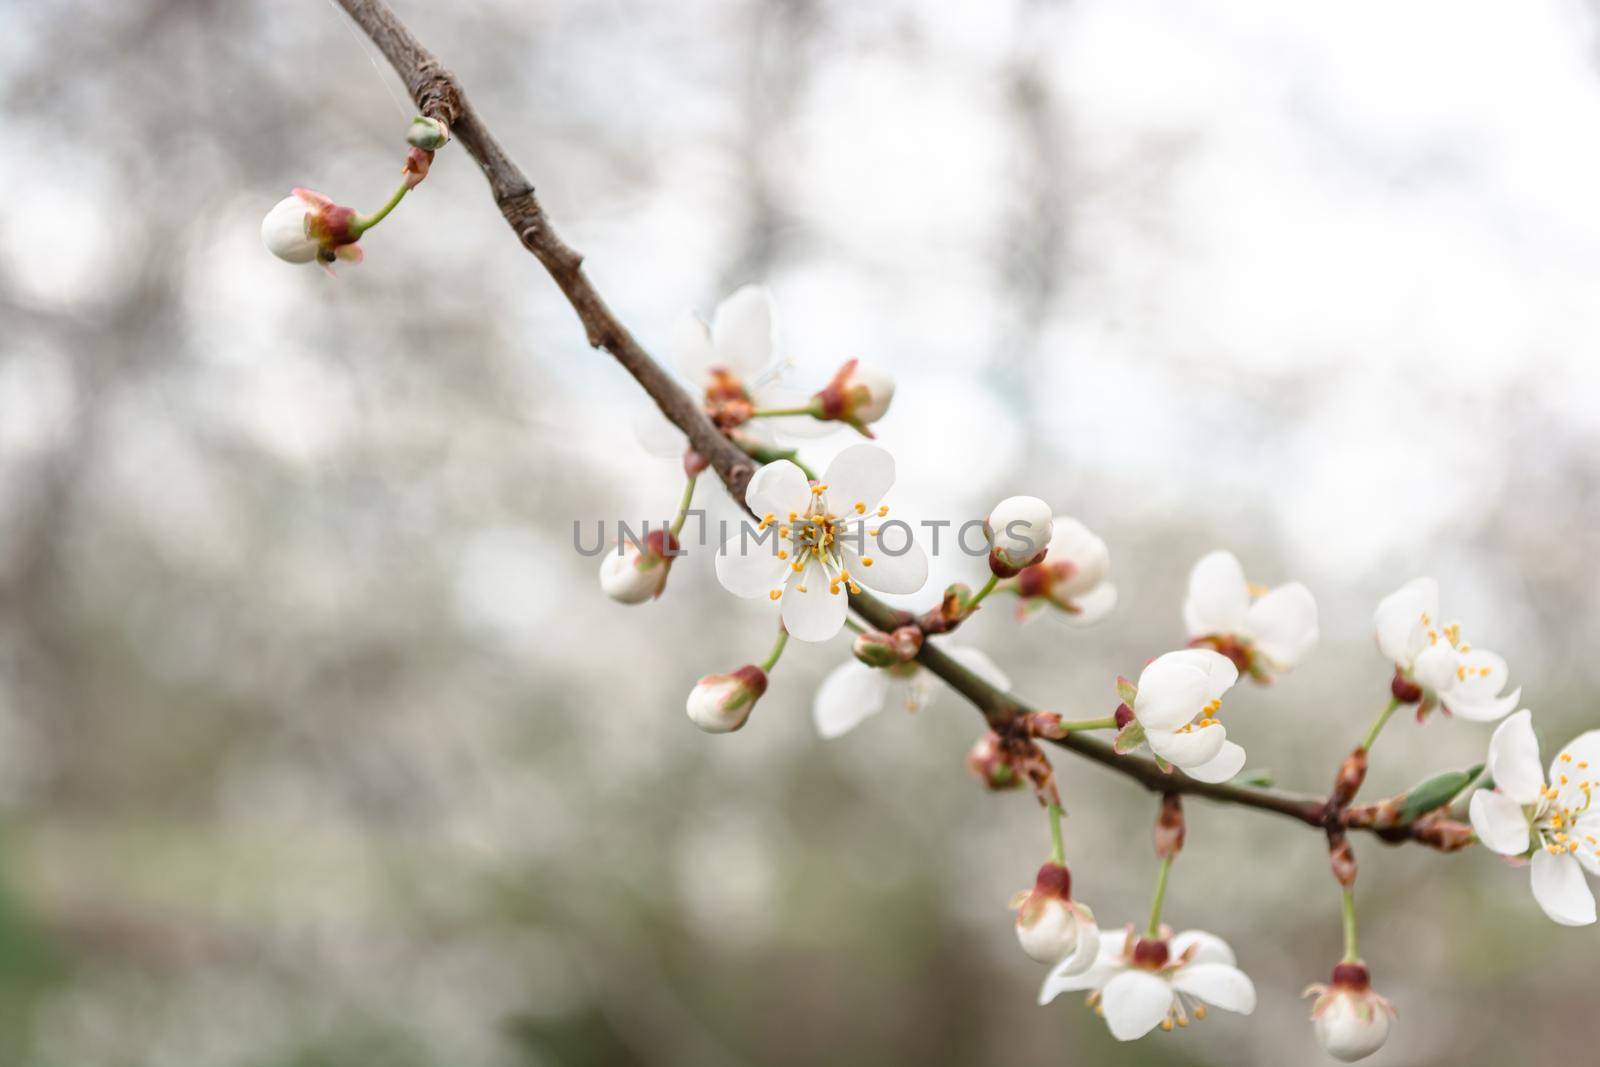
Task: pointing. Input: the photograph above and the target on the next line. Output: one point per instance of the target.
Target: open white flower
(732, 364)
(1175, 712)
(1557, 823)
(1072, 577)
(854, 692)
(1433, 665)
(814, 542)
(1261, 630)
(1138, 984)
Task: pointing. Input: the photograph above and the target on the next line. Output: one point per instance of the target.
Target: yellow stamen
(866, 561)
(775, 594)
(861, 509)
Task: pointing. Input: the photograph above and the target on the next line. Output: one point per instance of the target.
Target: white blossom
(1073, 577)
(1433, 663)
(1178, 699)
(1351, 1021)
(854, 692)
(1261, 630)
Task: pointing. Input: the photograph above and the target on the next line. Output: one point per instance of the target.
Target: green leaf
(1258, 776)
(1436, 792)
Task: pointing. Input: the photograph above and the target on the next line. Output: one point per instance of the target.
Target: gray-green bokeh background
(318, 744)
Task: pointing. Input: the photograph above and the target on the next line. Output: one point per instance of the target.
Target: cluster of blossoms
(819, 543)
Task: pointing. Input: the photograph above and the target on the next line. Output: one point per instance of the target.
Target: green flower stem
(1379, 723)
(775, 413)
(1350, 954)
(362, 223)
(683, 507)
(988, 587)
(856, 626)
(1058, 852)
(777, 650)
(1161, 896)
(1107, 723)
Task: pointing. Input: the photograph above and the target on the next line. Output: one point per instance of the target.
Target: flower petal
(1073, 542)
(1220, 671)
(1583, 749)
(1187, 748)
(1398, 619)
(1208, 948)
(1219, 984)
(1514, 760)
(777, 489)
(748, 569)
(859, 475)
(1219, 596)
(1093, 606)
(657, 436)
(1063, 979)
(978, 662)
(1499, 822)
(817, 613)
(692, 350)
(903, 573)
(1087, 950)
(1135, 1002)
(1228, 762)
(1171, 693)
(1283, 624)
(741, 331)
(1560, 889)
(851, 693)
(1474, 710)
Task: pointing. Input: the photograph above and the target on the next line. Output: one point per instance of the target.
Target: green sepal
(1128, 738)
(1126, 692)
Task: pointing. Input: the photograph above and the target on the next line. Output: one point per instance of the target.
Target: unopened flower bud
(992, 765)
(1352, 772)
(859, 394)
(1170, 828)
(1351, 1021)
(637, 571)
(1051, 926)
(1019, 530)
(952, 609)
(1342, 858)
(430, 135)
(306, 226)
(875, 649)
(720, 703)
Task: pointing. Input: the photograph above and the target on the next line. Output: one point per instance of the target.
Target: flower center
(819, 535)
(1561, 804)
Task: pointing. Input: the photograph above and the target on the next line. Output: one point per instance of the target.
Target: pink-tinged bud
(992, 765)
(1019, 530)
(418, 160)
(636, 573)
(1045, 724)
(430, 135)
(1350, 1019)
(694, 463)
(1123, 716)
(1151, 953)
(1051, 926)
(720, 703)
(1405, 690)
(1170, 827)
(859, 394)
(306, 226)
(875, 649)
(952, 609)
(1352, 772)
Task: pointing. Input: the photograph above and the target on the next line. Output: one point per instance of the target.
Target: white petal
(1585, 748)
(657, 436)
(1063, 979)
(1283, 624)
(749, 569)
(692, 351)
(1227, 763)
(1220, 984)
(1073, 542)
(816, 614)
(1171, 692)
(1584, 829)
(1560, 889)
(1436, 665)
(916, 691)
(978, 662)
(851, 693)
(1135, 1002)
(903, 573)
(1398, 619)
(1190, 748)
(1087, 950)
(1208, 948)
(283, 231)
(1221, 672)
(1093, 606)
(861, 474)
(1514, 759)
(1466, 707)
(1499, 822)
(1218, 597)
(778, 489)
(1350, 1029)
(741, 331)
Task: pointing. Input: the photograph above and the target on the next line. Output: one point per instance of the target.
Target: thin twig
(439, 95)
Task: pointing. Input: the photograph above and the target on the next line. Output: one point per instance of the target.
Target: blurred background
(319, 744)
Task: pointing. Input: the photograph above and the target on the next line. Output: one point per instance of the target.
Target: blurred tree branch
(439, 95)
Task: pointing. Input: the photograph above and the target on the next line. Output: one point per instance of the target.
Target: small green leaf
(1259, 776)
(1126, 691)
(1436, 792)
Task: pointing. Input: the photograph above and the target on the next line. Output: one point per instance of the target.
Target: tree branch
(438, 95)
